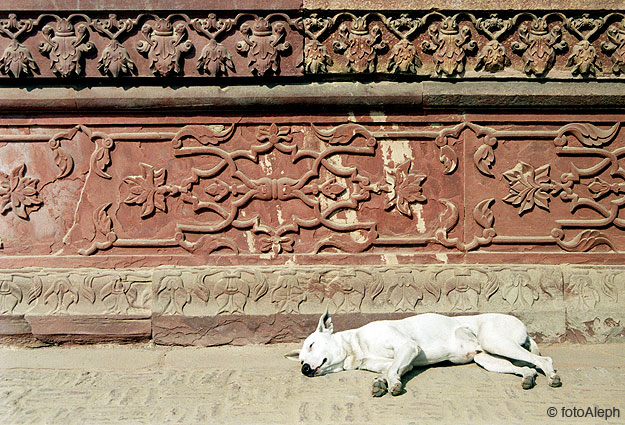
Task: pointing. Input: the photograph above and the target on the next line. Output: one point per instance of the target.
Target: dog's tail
(531, 346)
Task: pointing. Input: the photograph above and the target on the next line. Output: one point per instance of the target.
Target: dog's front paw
(380, 387)
(554, 381)
(528, 382)
(397, 388)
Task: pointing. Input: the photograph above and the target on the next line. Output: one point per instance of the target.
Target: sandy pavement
(147, 384)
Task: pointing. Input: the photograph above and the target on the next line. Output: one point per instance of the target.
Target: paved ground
(255, 384)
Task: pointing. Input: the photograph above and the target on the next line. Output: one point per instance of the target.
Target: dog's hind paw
(397, 388)
(380, 387)
(528, 382)
(554, 381)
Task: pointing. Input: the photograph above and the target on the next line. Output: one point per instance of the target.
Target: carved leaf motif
(482, 213)
(344, 134)
(585, 241)
(115, 60)
(260, 287)
(588, 134)
(483, 159)
(376, 286)
(36, 290)
(17, 60)
(491, 287)
(449, 216)
(433, 289)
(87, 291)
(102, 221)
(608, 287)
(206, 135)
(449, 159)
(201, 289)
(64, 161)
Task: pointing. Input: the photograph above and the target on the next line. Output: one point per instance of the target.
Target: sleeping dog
(393, 347)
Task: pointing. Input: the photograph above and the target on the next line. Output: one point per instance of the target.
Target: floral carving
(263, 43)
(10, 295)
(528, 187)
(616, 46)
(172, 294)
(493, 56)
(231, 293)
(19, 193)
(404, 58)
(406, 188)
(119, 295)
(359, 44)
(463, 291)
(288, 294)
(538, 45)
(164, 45)
(316, 57)
(115, 59)
(148, 190)
(66, 46)
(215, 60)
(404, 293)
(345, 288)
(584, 59)
(520, 291)
(16, 60)
(61, 294)
(449, 45)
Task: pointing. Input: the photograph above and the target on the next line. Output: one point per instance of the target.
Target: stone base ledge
(241, 305)
(427, 95)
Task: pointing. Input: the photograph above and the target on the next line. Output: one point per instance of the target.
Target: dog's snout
(306, 370)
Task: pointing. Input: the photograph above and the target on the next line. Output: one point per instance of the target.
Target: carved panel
(487, 44)
(254, 191)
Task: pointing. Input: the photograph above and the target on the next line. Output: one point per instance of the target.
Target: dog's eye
(310, 346)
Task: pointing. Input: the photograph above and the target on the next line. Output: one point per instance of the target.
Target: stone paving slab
(147, 384)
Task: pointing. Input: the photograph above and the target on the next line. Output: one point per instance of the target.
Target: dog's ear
(293, 355)
(325, 323)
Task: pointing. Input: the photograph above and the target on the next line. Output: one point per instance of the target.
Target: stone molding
(304, 44)
(579, 303)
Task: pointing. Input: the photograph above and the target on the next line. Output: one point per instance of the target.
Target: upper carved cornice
(211, 45)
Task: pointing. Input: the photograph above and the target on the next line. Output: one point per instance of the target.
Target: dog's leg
(512, 350)
(402, 363)
(499, 365)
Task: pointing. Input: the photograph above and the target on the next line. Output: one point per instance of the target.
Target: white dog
(393, 347)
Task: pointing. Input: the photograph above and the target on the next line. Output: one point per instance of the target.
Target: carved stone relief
(228, 44)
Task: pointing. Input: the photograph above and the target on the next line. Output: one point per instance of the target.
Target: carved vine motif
(531, 186)
(164, 45)
(449, 45)
(16, 60)
(538, 44)
(66, 44)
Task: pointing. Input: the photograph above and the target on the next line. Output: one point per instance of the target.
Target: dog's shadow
(418, 370)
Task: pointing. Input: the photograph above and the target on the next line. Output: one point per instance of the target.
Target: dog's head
(321, 353)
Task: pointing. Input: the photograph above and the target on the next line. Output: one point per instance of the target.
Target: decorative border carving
(585, 299)
(486, 44)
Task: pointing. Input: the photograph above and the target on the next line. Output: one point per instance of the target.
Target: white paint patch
(250, 241)
(351, 117)
(390, 259)
(280, 219)
(396, 152)
(442, 258)
(417, 212)
(265, 165)
(377, 116)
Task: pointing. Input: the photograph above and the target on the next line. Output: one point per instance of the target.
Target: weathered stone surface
(82, 328)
